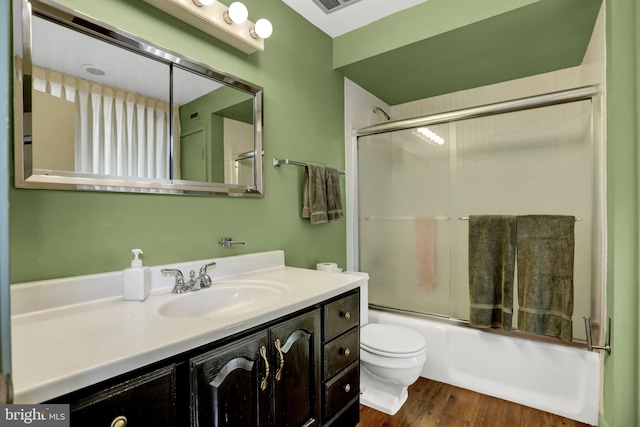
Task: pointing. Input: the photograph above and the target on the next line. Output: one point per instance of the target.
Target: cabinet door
(147, 400)
(230, 384)
(296, 366)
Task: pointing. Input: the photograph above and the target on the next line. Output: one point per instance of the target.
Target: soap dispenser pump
(136, 279)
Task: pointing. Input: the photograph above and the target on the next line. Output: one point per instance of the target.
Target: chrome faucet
(203, 280)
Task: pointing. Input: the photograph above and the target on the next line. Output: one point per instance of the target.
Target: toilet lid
(391, 340)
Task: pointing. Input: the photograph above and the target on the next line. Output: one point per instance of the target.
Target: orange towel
(425, 229)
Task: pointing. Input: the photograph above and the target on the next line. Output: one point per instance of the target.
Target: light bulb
(237, 13)
(262, 29)
(201, 3)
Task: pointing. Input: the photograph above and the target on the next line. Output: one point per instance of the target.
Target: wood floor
(432, 403)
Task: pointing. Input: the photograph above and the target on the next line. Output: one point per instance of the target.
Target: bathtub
(553, 378)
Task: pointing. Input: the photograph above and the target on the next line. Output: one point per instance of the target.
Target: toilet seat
(391, 341)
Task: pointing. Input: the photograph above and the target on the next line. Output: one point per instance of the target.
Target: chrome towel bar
(466, 218)
(278, 162)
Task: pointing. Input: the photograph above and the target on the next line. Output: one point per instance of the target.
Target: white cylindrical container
(331, 267)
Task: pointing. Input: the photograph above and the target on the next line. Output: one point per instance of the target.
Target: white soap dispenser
(136, 279)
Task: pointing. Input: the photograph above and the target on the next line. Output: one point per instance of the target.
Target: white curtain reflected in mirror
(91, 115)
(99, 129)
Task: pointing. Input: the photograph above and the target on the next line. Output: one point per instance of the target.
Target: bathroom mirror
(116, 113)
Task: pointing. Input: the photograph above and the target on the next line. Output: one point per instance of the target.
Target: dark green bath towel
(321, 198)
(545, 274)
(492, 254)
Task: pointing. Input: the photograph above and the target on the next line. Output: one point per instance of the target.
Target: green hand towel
(545, 274)
(334, 196)
(321, 197)
(492, 254)
(314, 194)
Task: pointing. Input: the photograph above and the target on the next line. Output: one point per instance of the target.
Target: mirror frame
(23, 167)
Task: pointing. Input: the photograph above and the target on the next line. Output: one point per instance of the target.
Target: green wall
(56, 233)
(621, 374)
(453, 45)
(211, 110)
(63, 233)
(421, 22)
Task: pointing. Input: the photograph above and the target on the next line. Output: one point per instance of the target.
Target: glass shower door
(418, 186)
(532, 162)
(404, 218)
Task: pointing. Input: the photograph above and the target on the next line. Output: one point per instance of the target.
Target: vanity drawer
(341, 352)
(349, 417)
(341, 389)
(341, 315)
(147, 400)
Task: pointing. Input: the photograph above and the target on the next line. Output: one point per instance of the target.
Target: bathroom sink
(228, 298)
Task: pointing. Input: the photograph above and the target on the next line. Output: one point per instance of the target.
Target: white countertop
(59, 349)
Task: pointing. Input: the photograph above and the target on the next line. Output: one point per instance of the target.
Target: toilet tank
(364, 295)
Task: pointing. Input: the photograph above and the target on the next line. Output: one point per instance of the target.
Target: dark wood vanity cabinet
(270, 378)
(228, 385)
(297, 368)
(300, 370)
(144, 400)
(341, 358)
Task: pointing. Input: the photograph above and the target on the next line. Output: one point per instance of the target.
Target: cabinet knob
(347, 388)
(120, 421)
(346, 315)
(345, 352)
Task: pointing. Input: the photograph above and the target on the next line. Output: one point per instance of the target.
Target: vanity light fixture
(228, 24)
(236, 14)
(262, 29)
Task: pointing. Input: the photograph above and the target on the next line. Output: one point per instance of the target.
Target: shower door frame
(591, 93)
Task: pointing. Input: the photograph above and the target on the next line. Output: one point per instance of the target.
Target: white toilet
(391, 359)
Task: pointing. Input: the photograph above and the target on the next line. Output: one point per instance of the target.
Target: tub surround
(71, 333)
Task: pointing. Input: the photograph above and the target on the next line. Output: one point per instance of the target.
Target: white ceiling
(123, 69)
(349, 18)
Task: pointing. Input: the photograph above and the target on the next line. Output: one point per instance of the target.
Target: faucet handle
(203, 269)
(173, 271)
(179, 285)
(205, 280)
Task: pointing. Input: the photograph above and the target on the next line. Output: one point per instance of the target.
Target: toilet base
(380, 400)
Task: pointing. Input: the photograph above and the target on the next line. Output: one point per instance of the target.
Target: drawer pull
(347, 388)
(263, 383)
(279, 371)
(120, 421)
(345, 352)
(346, 315)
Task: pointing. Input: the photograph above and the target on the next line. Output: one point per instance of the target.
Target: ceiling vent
(329, 6)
